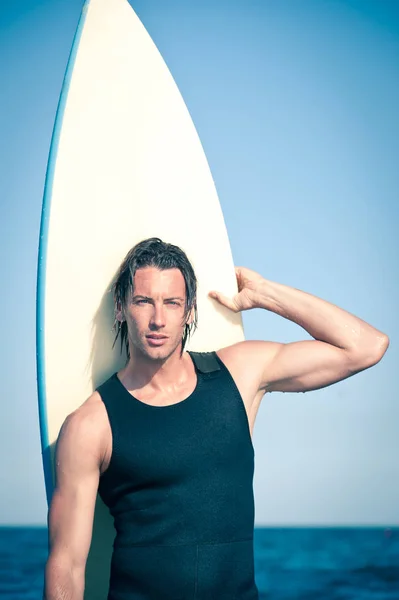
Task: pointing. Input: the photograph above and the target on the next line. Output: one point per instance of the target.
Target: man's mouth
(155, 339)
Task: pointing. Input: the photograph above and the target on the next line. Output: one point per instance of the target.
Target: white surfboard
(125, 164)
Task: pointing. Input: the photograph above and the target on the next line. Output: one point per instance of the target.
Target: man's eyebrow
(148, 298)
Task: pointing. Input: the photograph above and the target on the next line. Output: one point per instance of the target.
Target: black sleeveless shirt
(180, 488)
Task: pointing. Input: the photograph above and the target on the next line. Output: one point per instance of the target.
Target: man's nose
(158, 316)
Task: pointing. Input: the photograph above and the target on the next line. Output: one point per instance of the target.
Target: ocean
(290, 563)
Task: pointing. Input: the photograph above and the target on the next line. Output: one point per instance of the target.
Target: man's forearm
(321, 319)
(62, 584)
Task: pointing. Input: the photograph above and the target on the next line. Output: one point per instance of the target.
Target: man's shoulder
(87, 421)
(248, 359)
(246, 349)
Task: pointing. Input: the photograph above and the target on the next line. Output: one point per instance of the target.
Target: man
(167, 440)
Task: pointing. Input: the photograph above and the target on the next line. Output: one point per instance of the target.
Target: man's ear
(119, 316)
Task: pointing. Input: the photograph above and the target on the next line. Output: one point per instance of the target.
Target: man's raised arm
(343, 344)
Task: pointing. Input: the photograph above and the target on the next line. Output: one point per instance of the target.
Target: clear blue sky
(296, 104)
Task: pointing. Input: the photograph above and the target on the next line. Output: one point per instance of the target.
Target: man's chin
(162, 352)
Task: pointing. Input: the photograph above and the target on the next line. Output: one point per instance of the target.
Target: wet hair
(153, 252)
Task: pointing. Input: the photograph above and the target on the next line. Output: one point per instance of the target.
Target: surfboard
(125, 164)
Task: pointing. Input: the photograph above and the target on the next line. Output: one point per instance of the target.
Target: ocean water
(290, 563)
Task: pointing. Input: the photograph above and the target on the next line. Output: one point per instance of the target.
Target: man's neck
(143, 372)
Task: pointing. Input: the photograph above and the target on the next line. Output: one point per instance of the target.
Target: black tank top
(180, 488)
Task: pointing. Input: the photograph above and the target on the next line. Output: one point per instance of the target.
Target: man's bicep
(307, 365)
(292, 367)
(72, 507)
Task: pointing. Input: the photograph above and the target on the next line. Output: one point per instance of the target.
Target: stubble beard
(156, 354)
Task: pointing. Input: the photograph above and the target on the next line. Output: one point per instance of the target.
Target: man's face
(155, 312)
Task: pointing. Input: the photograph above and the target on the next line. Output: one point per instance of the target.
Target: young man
(167, 440)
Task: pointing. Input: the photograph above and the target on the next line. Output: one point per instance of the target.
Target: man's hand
(249, 293)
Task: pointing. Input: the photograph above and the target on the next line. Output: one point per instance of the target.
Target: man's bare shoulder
(247, 362)
(87, 415)
(249, 354)
(87, 427)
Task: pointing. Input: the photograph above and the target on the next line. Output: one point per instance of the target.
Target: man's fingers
(222, 299)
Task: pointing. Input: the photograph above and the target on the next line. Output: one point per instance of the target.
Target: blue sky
(296, 105)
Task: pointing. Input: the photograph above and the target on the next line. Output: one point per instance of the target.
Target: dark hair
(153, 252)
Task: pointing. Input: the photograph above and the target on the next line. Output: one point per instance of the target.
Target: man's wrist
(266, 296)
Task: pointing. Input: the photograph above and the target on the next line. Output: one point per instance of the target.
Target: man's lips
(156, 340)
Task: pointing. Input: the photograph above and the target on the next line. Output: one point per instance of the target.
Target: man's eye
(142, 301)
